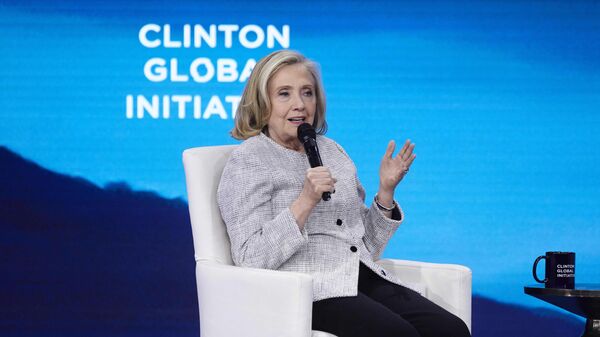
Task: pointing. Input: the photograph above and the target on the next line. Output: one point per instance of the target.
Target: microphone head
(305, 131)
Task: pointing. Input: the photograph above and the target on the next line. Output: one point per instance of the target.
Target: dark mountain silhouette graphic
(80, 260)
(492, 318)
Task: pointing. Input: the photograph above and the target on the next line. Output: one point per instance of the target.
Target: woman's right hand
(317, 181)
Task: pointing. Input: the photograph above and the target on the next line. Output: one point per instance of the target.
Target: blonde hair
(254, 110)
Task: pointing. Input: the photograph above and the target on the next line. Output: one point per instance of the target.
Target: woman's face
(293, 102)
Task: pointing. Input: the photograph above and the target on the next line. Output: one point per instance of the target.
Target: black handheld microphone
(308, 138)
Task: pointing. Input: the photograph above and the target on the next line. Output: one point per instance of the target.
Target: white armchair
(248, 302)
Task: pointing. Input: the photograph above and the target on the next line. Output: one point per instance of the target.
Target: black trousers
(384, 309)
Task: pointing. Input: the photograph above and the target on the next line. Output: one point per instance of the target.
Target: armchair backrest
(203, 167)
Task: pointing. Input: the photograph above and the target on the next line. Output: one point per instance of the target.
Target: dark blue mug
(560, 270)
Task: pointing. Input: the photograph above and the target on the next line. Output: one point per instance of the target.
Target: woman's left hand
(393, 169)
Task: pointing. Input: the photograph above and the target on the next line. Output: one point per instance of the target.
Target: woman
(270, 200)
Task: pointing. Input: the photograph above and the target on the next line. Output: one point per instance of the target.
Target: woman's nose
(298, 102)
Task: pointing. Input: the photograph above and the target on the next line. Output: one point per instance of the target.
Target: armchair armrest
(252, 302)
(447, 285)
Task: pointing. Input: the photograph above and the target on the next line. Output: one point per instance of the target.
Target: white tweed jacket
(259, 183)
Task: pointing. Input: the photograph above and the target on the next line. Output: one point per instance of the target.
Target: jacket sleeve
(259, 238)
(378, 228)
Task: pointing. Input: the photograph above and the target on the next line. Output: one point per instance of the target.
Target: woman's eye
(284, 93)
(308, 93)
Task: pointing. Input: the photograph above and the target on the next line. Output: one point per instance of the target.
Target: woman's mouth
(297, 120)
